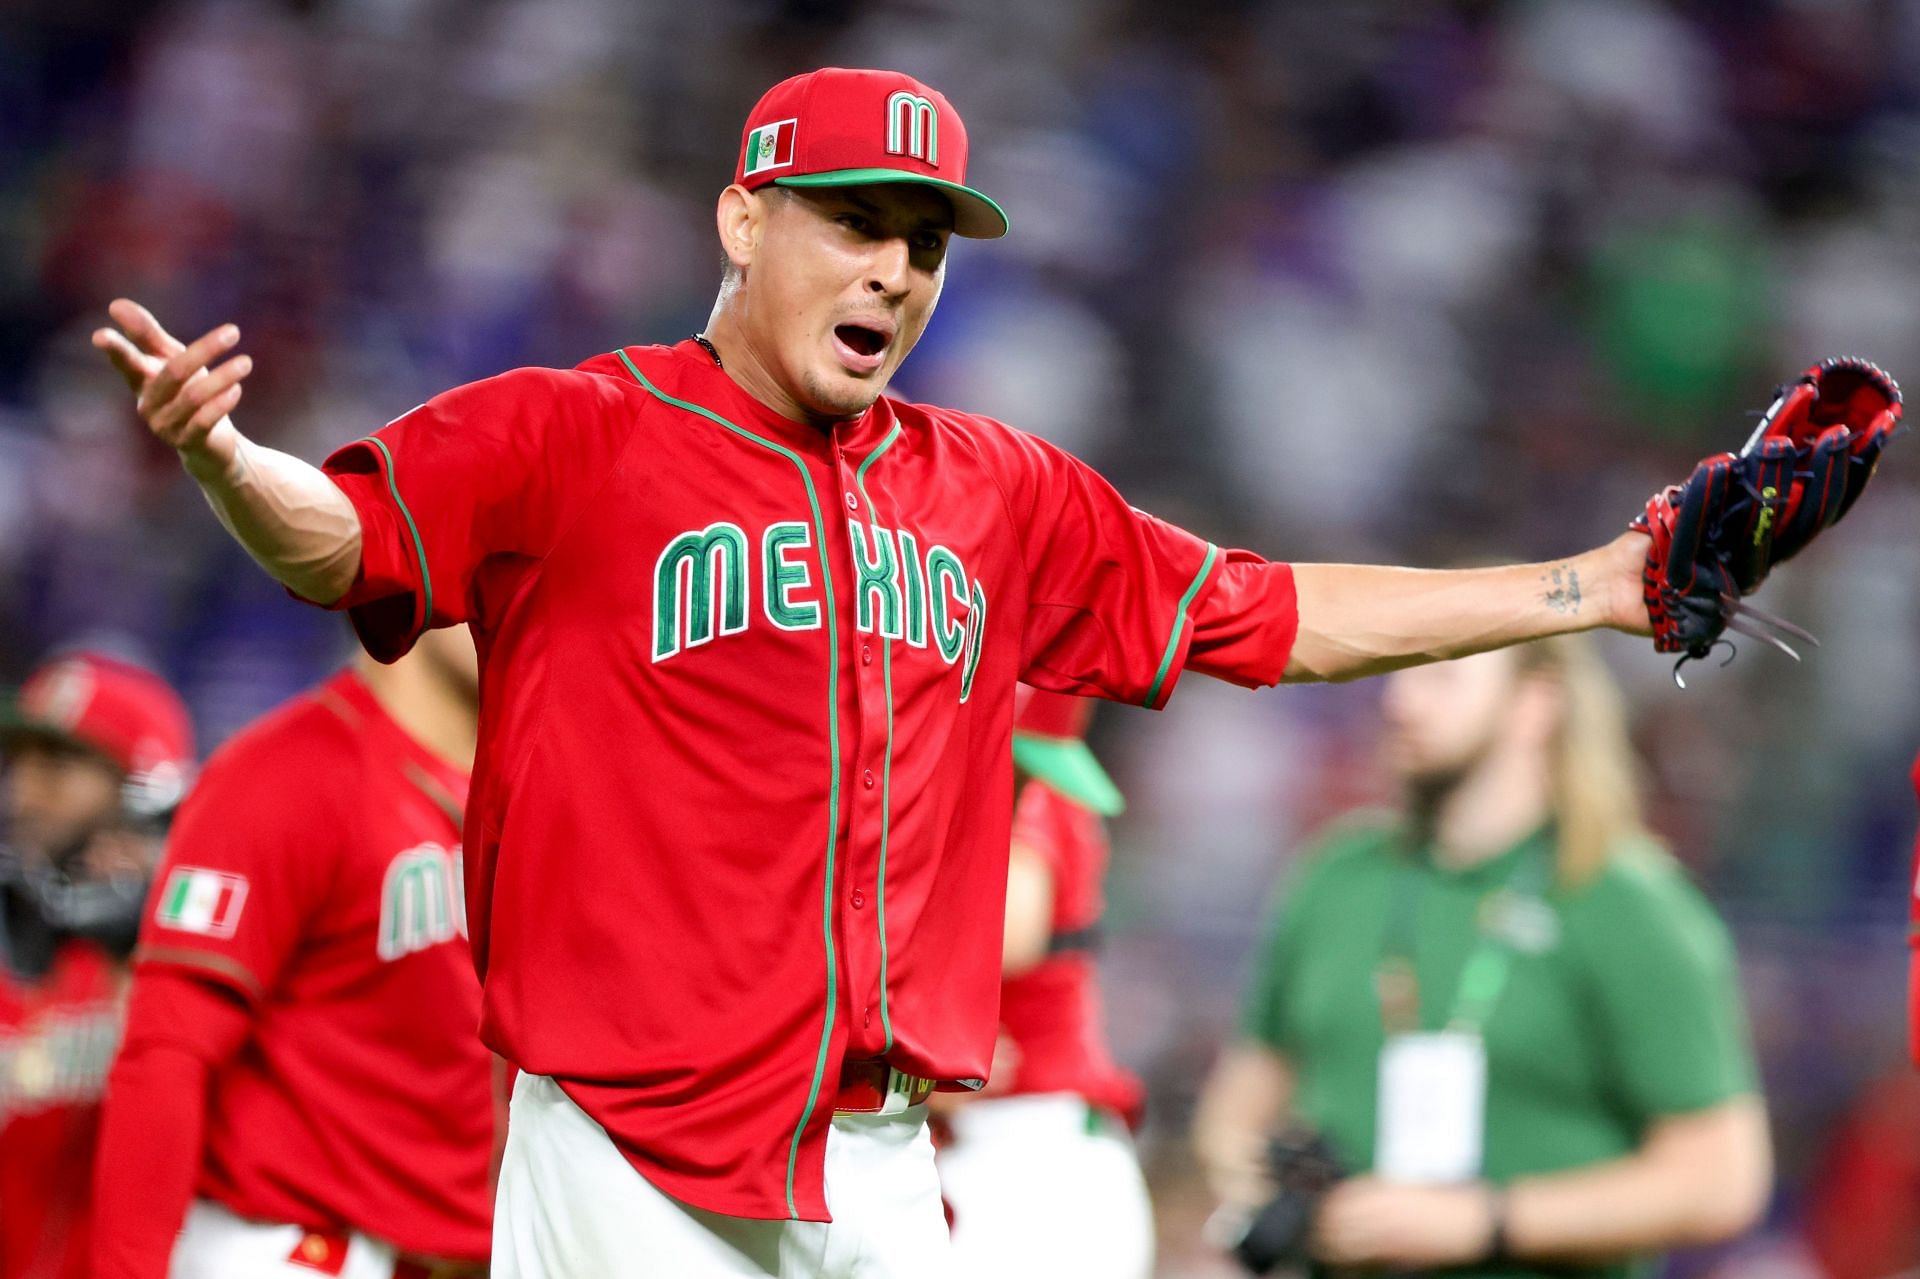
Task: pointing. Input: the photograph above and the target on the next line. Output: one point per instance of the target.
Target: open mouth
(861, 346)
(861, 339)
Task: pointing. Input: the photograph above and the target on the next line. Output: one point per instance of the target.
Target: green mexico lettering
(916, 585)
(712, 563)
(879, 573)
(785, 575)
(421, 901)
(947, 582)
(704, 584)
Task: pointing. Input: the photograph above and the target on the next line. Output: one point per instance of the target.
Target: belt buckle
(903, 1091)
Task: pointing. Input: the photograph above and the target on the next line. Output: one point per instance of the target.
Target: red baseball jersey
(57, 1039)
(315, 871)
(743, 790)
(1052, 1012)
(1913, 942)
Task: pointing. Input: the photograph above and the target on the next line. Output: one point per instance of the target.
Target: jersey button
(867, 777)
(866, 655)
(859, 899)
(853, 503)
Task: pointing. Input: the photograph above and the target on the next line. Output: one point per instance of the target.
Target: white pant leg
(1035, 1195)
(884, 1191)
(215, 1244)
(570, 1206)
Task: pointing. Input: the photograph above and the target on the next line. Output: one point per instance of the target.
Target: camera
(1303, 1170)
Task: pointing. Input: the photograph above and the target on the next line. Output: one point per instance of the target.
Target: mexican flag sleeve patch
(207, 902)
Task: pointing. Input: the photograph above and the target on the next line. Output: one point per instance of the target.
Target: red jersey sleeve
(1913, 943)
(483, 474)
(244, 869)
(1118, 600)
(1245, 622)
(152, 1126)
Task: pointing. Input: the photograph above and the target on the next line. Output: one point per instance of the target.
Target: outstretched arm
(288, 515)
(1358, 620)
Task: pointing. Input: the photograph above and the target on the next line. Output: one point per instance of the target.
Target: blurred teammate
(1504, 1007)
(1040, 1176)
(301, 1089)
(749, 633)
(97, 752)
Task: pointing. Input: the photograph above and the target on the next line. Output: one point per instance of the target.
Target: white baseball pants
(215, 1244)
(571, 1207)
(1036, 1195)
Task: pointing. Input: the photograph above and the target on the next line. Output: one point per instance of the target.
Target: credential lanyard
(1483, 977)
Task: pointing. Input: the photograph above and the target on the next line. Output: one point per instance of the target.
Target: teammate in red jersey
(1040, 1176)
(97, 753)
(301, 1089)
(1913, 941)
(749, 634)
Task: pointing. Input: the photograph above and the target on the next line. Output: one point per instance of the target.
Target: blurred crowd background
(1414, 282)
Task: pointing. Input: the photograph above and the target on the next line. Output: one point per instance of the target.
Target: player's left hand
(1365, 1221)
(1715, 537)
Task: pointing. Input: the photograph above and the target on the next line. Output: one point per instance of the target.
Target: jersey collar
(350, 698)
(706, 384)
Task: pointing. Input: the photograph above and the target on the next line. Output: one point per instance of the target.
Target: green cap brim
(1068, 765)
(974, 215)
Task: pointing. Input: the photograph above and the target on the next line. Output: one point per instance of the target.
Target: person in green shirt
(1504, 1008)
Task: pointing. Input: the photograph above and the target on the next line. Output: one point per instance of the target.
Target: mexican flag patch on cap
(771, 146)
(202, 901)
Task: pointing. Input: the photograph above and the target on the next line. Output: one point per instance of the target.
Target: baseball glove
(1715, 537)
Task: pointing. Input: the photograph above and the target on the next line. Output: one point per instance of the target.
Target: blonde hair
(1595, 780)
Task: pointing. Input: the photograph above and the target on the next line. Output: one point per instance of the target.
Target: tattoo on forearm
(1564, 594)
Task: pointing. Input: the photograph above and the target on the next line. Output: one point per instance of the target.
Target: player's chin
(837, 393)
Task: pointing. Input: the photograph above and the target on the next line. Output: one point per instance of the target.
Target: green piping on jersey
(886, 768)
(833, 743)
(1180, 620)
(419, 547)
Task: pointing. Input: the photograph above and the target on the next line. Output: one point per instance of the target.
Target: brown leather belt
(872, 1087)
(430, 1268)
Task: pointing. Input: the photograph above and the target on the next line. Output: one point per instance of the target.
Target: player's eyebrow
(872, 209)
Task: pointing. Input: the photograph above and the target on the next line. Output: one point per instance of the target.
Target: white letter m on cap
(913, 127)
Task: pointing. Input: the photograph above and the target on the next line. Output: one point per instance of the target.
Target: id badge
(1431, 1112)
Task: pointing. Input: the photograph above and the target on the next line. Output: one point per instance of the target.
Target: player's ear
(739, 218)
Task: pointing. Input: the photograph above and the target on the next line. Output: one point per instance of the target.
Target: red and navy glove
(1716, 537)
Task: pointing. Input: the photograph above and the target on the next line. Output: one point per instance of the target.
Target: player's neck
(425, 707)
(1490, 809)
(740, 361)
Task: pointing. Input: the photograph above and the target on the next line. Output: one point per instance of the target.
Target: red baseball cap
(1049, 731)
(122, 712)
(842, 128)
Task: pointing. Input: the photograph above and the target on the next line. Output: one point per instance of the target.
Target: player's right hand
(183, 400)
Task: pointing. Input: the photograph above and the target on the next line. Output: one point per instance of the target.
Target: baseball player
(748, 637)
(1041, 1178)
(301, 1088)
(97, 752)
